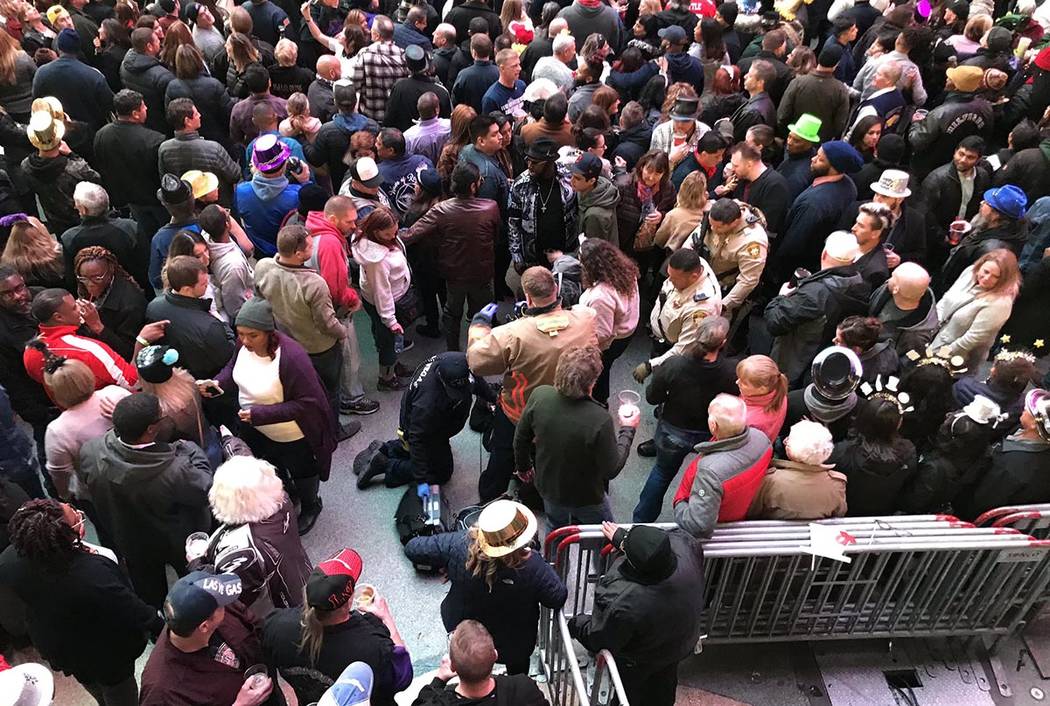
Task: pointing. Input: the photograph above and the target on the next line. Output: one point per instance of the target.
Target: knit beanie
(256, 313)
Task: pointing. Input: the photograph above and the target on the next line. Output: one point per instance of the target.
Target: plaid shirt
(380, 65)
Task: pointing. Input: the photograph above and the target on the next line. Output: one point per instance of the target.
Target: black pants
(500, 269)
(475, 297)
(402, 471)
(496, 476)
(609, 356)
(428, 281)
(383, 336)
(652, 686)
(294, 461)
(124, 693)
(329, 365)
(149, 575)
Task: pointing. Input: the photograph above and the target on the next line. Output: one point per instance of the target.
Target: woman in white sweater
(610, 279)
(977, 306)
(385, 278)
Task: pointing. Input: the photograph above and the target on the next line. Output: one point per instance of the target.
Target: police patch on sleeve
(753, 250)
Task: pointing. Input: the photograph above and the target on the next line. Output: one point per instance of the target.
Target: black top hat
(543, 149)
(416, 58)
(173, 190)
(685, 108)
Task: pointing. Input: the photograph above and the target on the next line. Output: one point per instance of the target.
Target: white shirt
(259, 383)
(966, 188)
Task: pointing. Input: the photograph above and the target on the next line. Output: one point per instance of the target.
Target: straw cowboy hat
(505, 527)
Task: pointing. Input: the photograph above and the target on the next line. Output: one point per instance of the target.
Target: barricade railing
(565, 683)
(607, 687)
(1029, 519)
(909, 576)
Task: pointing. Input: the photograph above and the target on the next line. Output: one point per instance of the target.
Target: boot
(647, 448)
(376, 467)
(363, 459)
(311, 504)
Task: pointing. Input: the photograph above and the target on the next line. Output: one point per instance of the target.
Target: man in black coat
(472, 82)
(460, 17)
(647, 609)
(401, 110)
(963, 113)
(80, 88)
(999, 223)
(142, 72)
(763, 187)
(943, 195)
(320, 92)
(204, 342)
(636, 134)
(433, 410)
(445, 49)
(759, 109)
(333, 139)
(98, 227)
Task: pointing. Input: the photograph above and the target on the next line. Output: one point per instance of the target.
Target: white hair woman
(259, 536)
(803, 486)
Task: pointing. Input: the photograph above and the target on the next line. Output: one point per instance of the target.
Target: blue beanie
(842, 157)
(68, 41)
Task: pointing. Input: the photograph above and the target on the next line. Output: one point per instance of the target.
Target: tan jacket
(302, 304)
(738, 261)
(526, 352)
(798, 491)
(676, 316)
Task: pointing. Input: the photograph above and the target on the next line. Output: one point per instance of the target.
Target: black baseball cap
(195, 597)
(588, 166)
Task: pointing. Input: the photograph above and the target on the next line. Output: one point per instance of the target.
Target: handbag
(409, 307)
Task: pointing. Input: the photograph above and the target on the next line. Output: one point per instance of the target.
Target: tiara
(941, 357)
(1008, 355)
(888, 391)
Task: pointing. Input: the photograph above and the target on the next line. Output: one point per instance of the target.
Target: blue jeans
(673, 444)
(563, 515)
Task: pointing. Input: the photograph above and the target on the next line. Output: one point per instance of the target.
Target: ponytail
(762, 371)
(312, 635)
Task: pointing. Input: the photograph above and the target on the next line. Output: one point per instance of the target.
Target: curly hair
(674, 92)
(39, 531)
(604, 262)
(97, 252)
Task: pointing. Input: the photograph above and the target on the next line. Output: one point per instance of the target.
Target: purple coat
(305, 400)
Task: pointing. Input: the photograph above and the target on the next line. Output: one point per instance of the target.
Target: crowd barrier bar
(956, 582)
(605, 667)
(565, 684)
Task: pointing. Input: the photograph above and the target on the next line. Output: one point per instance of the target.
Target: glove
(485, 316)
(643, 371)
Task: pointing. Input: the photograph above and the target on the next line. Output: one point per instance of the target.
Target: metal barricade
(565, 684)
(1033, 520)
(603, 693)
(906, 578)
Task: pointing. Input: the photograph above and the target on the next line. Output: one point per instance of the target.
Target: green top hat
(807, 127)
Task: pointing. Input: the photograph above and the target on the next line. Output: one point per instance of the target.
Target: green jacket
(598, 212)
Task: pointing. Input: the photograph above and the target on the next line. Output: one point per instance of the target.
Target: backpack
(422, 512)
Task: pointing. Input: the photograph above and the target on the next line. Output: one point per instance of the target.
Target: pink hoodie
(331, 257)
(616, 315)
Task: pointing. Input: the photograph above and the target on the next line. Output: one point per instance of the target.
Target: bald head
(328, 67)
(908, 284)
(726, 416)
(382, 28)
(444, 34)
(557, 26)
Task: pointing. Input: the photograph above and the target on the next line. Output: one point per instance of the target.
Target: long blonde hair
(486, 567)
(32, 250)
(311, 637)
(9, 51)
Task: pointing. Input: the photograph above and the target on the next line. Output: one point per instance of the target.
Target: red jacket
(109, 368)
(331, 254)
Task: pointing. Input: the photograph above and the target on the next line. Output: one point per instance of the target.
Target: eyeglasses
(81, 519)
(97, 279)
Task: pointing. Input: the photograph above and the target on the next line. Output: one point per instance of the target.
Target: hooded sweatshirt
(330, 260)
(384, 276)
(263, 203)
(145, 74)
(53, 179)
(598, 212)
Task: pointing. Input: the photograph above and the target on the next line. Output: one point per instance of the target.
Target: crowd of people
(821, 220)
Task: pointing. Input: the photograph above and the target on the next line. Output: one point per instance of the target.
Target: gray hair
(711, 335)
(729, 412)
(563, 42)
(809, 443)
(880, 212)
(90, 198)
(891, 70)
(578, 370)
(446, 29)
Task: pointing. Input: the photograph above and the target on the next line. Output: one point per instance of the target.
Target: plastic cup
(888, 247)
(256, 673)
(629, 409)
(196, 545)
(958, 230)
(364, 596)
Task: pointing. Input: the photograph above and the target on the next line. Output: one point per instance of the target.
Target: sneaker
(360, 406)
(647, 448)
(349, 429)
(364, 458)
(393, 384)
(428, 331)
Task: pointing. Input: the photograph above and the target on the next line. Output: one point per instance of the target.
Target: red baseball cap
(331, 584)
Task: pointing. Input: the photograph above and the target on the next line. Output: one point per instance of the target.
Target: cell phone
(211, 385)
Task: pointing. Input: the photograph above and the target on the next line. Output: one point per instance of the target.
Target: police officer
(735, 245)
(689, 294)
(526, 352)
(434, 408)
